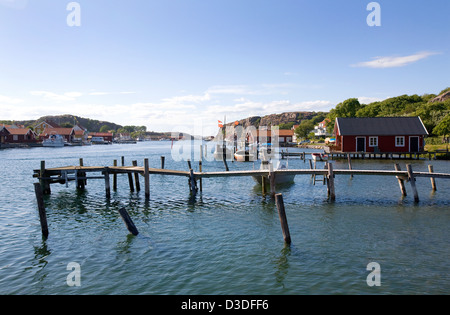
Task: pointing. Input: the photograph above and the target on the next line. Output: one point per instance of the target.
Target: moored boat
(54, 141)
(279, 177)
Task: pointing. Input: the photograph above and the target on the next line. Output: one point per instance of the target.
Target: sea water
(227, 240)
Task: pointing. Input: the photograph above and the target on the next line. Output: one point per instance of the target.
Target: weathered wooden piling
(147, 179)
(192, 183)
(81, 182)
(349, 159)
(136, 178)
(401, 181)
(412, 181)
(107, 183)
(41, 208)
(115, 177)
(433, 181)
(128, 222)
(163, 161)
(45, 183)
(283, 219)
(331, 191)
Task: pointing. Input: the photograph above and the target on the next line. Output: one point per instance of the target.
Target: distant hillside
(293, 118)
(91, 125)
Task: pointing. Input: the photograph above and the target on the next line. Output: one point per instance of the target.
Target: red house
(17, 135)
(380, 134)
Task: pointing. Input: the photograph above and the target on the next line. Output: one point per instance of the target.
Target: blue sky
(168, 64)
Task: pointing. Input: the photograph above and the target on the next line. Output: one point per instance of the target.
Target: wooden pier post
(147, 179)
(272, 183)
(283, 220)
(45, 184)
(128, 222)
(192, 183)
(41, 208)
(115, 177)
(136, 178)
(163, 160)
(81, 182)
(107, 183)
(331, 191)
(433, 181)
(412, 181)
(401, 182)
(350, 164)
(130, 176)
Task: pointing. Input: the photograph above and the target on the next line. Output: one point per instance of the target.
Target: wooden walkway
(80, 174)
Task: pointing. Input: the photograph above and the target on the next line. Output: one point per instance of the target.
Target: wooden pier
(335, 155)
(81, 174)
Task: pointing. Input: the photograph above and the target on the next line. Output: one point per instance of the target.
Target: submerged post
(433, 181)
(136, 178)
(115, 177)
(128, 222)
(412, 181)
(331, 191)
(147, 179)
(283, 220)
(81, 182)
(107, 184)
(41, 208)
(401, 182)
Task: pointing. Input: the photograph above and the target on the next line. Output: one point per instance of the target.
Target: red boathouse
(380, 134)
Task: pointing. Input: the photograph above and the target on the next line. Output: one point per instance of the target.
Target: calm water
(228, 240)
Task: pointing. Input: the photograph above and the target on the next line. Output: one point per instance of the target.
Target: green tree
(104, 128)
(303, 130)
(443, 128)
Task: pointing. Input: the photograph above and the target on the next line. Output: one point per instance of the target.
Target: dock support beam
(128, 222)
(283, 220)
(401, 182)
(107, 184)
(147, 179)
(136, 178)
(331, 191)
(45, 185)
(41, 208)
(412, 181)
(433, 181)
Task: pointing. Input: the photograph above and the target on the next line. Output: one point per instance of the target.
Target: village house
(40, 127)
(321, 129)
(265, 136)
(107, 136)
(66, 133)
(16, 135)
(380, 134)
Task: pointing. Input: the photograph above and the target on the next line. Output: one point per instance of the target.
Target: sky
(180, 65)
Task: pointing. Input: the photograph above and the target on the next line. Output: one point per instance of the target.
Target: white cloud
(50, 96)
(393, 62)
(10, 100)
(368, 100)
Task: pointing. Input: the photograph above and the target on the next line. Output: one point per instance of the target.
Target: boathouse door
(360, 144)
(413, 144)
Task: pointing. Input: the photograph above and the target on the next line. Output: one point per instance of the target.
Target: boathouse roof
(380, 126)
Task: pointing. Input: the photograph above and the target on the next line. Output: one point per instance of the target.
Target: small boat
(244, 156)
(279, 178)
(54, 141)
(319, 156)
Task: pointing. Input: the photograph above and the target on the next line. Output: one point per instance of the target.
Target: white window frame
(402, 145)
(15, 138)
(370, 141)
